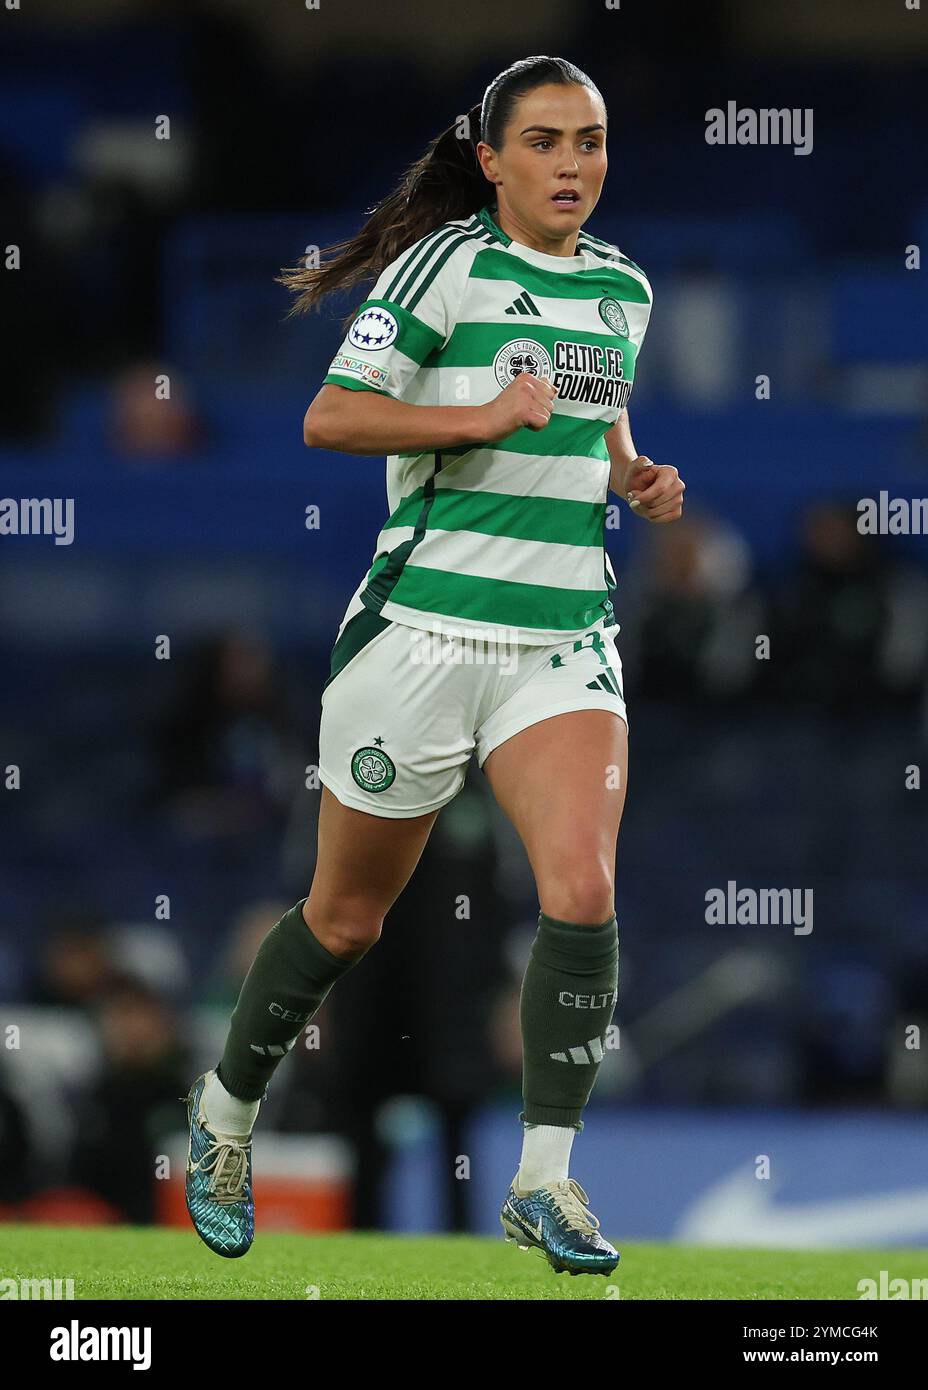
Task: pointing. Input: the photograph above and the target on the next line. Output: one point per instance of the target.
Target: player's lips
(566, 197)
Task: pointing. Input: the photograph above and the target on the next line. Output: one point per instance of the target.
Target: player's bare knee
(354, 937)
(583, 892)
(347, 928)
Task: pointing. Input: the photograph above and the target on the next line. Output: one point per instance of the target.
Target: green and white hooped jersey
(506, 534)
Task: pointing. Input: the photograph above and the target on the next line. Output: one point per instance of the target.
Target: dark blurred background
(161, 674)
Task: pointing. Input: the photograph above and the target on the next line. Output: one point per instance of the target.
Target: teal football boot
(218, 1182)
(555, 1220)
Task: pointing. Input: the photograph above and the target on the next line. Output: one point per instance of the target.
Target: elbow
(323, 428)
(327, 423)
(312, 435)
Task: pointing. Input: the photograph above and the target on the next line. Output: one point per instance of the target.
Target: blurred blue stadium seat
(750, 241)
(225, 317)
(879, 316)
(38, 120)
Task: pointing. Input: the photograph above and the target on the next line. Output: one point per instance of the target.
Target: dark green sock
(291, 975)
(568, 995)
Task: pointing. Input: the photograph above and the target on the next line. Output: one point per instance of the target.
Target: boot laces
(570, 1200)
(227, 1161)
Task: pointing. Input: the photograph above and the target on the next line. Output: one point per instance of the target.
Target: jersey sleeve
(410, 314)
(638, 299)
(628, 311)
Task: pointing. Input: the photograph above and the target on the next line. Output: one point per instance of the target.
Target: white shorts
(406, 708)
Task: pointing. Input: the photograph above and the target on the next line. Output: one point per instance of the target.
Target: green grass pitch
(138, 1263)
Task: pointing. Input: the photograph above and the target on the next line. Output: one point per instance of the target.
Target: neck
(518, 230)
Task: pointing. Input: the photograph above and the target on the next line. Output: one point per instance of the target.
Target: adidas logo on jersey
(524, 305)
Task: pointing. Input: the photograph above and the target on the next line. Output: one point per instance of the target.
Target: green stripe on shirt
(494, 264)
(498, 601)
(551, 519)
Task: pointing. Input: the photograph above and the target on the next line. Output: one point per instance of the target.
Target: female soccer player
(492, 363)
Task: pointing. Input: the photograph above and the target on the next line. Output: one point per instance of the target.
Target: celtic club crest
(373, 769)
(612, 313)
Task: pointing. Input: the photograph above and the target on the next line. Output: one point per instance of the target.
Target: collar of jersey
(528, 253)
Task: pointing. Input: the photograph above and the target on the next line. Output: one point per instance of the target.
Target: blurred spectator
(692, 614)
(75, 967)
(143, 423)
(152, 954)
(908, 1056)
(14, 1148)
(133, 1102)
(247, 932)
(846, 1034)
(37, 294)
(226, 751)
(850, 626)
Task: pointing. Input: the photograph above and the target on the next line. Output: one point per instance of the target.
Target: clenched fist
(654, 490)
(526, 402)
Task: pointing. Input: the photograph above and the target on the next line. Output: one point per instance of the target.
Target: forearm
(368, 422)
(622, 453)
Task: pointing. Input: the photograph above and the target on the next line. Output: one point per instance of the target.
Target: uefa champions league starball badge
(373, 329)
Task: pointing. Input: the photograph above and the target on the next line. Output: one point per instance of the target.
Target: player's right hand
(526, 403)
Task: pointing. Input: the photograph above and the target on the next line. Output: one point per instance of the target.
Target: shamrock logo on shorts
(373, 769)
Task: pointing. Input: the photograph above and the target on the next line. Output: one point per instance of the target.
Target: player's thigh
(562, 783)
(363, 863)
(397, 727)
(395, 738)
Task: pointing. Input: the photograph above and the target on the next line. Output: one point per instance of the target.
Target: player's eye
(537, 144)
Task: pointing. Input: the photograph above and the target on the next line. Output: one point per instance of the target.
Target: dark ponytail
(445, 184)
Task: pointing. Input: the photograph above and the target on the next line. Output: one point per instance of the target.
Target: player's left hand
(654, 490)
